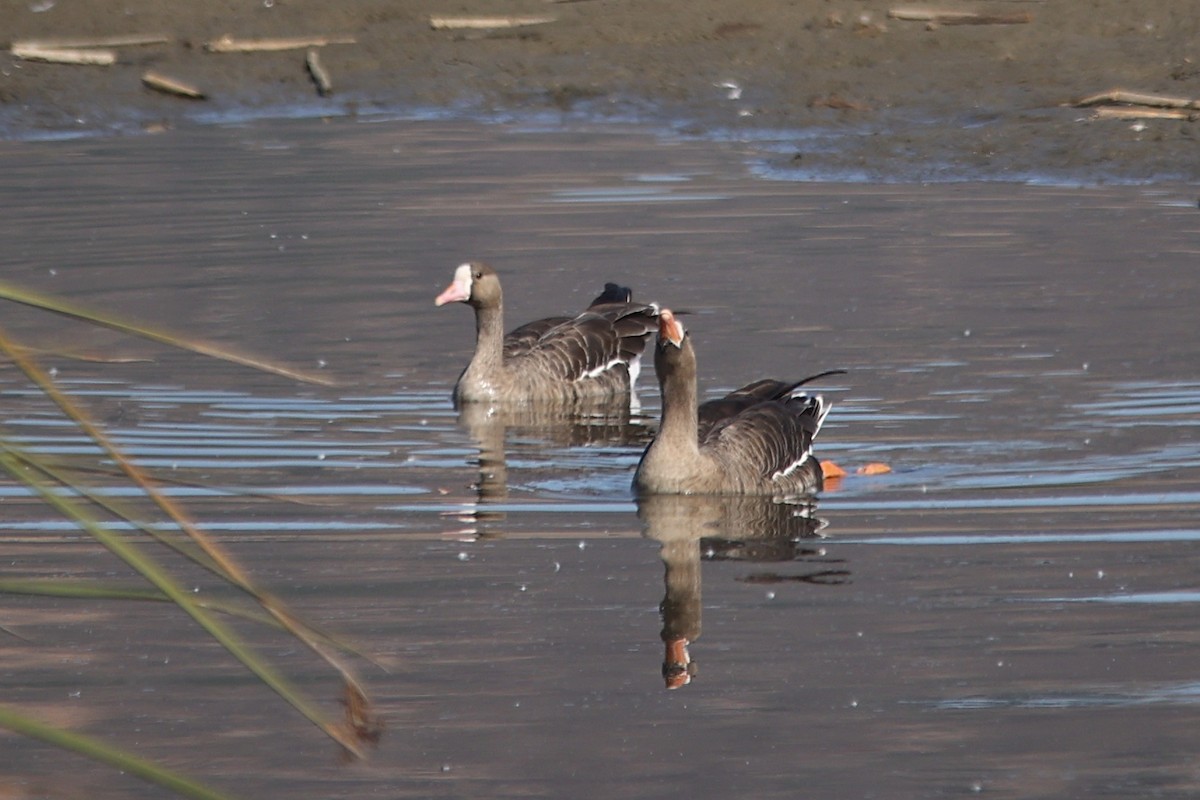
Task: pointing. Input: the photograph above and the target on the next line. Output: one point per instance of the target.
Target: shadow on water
(1020, 617)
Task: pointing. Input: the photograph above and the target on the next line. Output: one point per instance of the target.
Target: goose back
(715, 411)
(524, 337)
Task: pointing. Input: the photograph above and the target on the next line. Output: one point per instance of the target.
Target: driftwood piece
(484, 23)
(320, 77)
(1143, 112)
(120, 40)
(168, 85)
(228, 44)
(1123, 97)
(64, 55)
(939, 17)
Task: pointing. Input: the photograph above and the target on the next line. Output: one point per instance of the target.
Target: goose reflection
(497, 429)
(696, 528)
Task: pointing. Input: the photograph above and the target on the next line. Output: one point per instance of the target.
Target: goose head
(670, 329)
(674, 358)
(475, 284)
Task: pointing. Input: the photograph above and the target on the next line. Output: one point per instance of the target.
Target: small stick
(319, 75)
(481, 23)
(162, 83)
(957, 17)
(1130, 112)
(127, 40)
(1136, 99)
(64, 55)
(228, 44)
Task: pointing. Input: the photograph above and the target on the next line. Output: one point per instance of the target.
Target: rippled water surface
(1010, 611)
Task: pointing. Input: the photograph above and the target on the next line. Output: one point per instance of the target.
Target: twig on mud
(121, 40)
(1133, 112)
(1122, 104)
(64, 55)
(228, 44)
(162, 83)
(89, 50)
(483, 23)
(320, 77)
(1123, 97)
(937, 17)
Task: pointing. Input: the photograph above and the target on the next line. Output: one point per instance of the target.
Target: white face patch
(459, 290)
(462, 278)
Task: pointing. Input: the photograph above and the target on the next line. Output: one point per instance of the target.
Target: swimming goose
(756, 440)
(594, 357)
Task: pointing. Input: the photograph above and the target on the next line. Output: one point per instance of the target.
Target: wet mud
(830, 90)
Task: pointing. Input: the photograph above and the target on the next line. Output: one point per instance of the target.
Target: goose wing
(771, 440)
(589, 345)
(523, 339)
(714, 412)
(520, 340)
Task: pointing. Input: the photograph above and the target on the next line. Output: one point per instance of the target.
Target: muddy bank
(855, 91)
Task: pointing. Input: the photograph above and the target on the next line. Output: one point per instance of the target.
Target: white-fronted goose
(594, 357)
(756, 440)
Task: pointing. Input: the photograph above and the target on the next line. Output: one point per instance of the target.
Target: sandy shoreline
(855, 91)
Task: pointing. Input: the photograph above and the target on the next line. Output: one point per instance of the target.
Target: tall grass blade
(153, 572)
(38, 300)
(95, 590)
(107, 754)
(180, 544)
(210, 556)
(366, 729)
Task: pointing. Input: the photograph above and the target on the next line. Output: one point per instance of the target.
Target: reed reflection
(694, 528)
(501, 431)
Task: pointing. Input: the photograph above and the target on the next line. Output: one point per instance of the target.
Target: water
(1009, 612)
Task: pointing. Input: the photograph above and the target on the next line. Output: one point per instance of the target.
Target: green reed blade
(362, 722)
(98, 590)
(47, 303)
(208, 556)
(132, 555)
(107, 754)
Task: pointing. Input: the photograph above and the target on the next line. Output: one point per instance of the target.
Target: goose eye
(477, 275)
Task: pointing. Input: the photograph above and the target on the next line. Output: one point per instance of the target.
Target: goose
(756, 440)
(594, 357)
